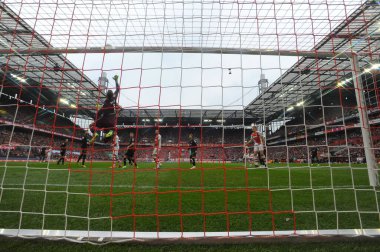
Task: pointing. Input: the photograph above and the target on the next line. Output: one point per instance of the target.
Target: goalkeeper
(106, 117)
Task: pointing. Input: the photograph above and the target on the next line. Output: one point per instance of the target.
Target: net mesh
(234, 118)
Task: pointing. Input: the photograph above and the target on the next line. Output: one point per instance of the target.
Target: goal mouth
(189, 120)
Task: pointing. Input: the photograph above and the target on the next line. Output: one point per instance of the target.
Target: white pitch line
(190, 187)
(136, 186)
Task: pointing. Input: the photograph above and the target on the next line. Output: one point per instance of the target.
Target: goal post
(364, 122)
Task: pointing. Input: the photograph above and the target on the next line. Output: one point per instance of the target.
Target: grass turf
(218, 197)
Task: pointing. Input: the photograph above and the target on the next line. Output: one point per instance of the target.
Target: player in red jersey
(247, 157)
(258, 149)
(157, 148)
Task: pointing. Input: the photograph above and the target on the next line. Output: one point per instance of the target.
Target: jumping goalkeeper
(106, 116)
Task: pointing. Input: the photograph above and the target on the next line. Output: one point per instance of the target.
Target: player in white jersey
(49, 152)
(157, 148)
(115, 151)
(247, 157)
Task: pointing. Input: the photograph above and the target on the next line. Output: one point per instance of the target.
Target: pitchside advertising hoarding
(15, 147)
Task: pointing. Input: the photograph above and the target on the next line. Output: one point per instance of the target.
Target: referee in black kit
(84, 145)
(63, 152)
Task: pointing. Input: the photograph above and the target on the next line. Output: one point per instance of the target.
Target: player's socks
(262, 161)
(93, 138)
(158, 163)
(109, 134)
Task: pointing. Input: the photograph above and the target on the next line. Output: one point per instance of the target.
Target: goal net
(189, 119)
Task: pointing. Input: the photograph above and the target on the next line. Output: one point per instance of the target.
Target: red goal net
(177, 119)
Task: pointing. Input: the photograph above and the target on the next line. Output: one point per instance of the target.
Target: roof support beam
(148, 114)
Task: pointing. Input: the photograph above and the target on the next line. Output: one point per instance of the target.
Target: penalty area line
(185, 187)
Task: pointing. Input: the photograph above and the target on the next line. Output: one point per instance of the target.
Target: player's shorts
(193, 154)
(63, 153)
(130, 153)
(84, 151)
(258, 147)
(156, 151)
(115, 153)
(108, 120)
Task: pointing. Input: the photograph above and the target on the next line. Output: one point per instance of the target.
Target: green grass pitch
(216, 197)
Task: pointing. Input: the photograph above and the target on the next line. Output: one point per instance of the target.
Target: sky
(189, 80)
(195, 80)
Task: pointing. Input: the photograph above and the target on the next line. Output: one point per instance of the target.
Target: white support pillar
(364, 122)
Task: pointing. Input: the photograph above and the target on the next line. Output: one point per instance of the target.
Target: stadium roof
(187, 116)
(18, 37)
(360, 33)
(292, 87)
(15, 33)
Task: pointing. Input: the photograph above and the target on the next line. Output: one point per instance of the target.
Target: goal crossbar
(208, 50)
